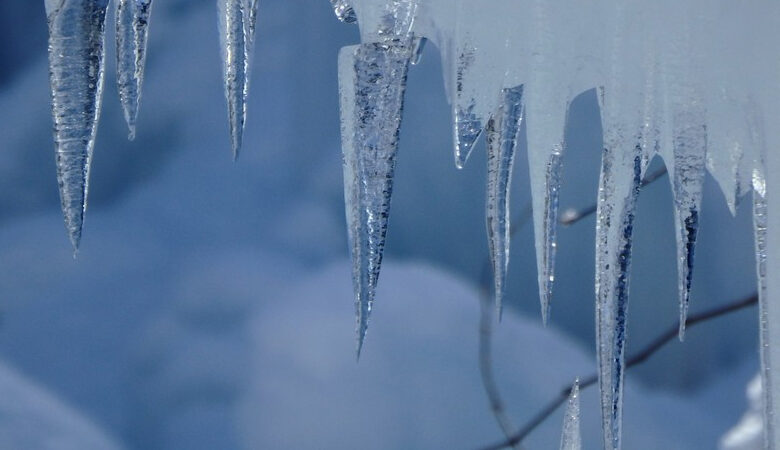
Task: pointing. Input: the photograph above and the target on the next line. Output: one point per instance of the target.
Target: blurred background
(210, 305)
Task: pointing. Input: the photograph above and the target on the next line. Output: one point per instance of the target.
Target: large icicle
(132, 26)
(571, 438)
(502, 135)
(685, 159)
(621, 167)
(237, 20)
(618, 188)
(76, 34)
(372, 79)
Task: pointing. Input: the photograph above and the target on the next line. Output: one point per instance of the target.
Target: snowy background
(210, 304)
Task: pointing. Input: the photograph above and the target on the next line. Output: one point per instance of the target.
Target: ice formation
(76, 34)
(237, 20)
(570, 436)
(696, 83)
(132, 28)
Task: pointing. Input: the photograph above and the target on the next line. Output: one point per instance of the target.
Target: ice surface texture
(570, 436)
(692, 82)
(373, 79)
(76, 34)
(237, 20)
(502, 134)
(132, 28)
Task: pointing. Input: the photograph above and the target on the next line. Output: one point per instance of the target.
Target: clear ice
(237, 20)
(570, 436)
(372, 79)
(679, 80)
(132, 27)
(76, 35)
(502, 136)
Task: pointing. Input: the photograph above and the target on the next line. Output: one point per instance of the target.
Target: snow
(33, 418)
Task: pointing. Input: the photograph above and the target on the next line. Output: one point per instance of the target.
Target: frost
(132, 28)
(76, 35)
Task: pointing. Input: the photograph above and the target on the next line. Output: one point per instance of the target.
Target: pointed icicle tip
(502, 131)
(76, 39)
(571, 438)
(237, 20)
(372, 82)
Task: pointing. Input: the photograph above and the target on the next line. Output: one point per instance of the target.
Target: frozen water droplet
(76, 34)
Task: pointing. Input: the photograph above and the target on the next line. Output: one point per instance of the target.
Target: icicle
(132, 23)
(546, 111)
(343, 11)
(372, 79)
(687, 175)
(760, 235)
(570, 436)
(502, 135)
(618, 188)
(76, 33)
(237, 19)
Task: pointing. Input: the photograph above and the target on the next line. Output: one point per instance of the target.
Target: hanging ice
(76, 32)
(132, 26)
(502, 135)
(237, 19)
(372, 79)
(683, 80)
(570, 436)
(618, 188)
(685, 158)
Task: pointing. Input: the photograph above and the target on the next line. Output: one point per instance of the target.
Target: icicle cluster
(76, 39)
(696, 83)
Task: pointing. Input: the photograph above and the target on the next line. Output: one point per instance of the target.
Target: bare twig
(486, 336)
(637, 359)
(572, 216)
(486, 325)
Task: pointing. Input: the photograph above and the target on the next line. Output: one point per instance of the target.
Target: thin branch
(486, 369)
(486, 317)
(637, 359)
(572, 216)
(486, 336)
